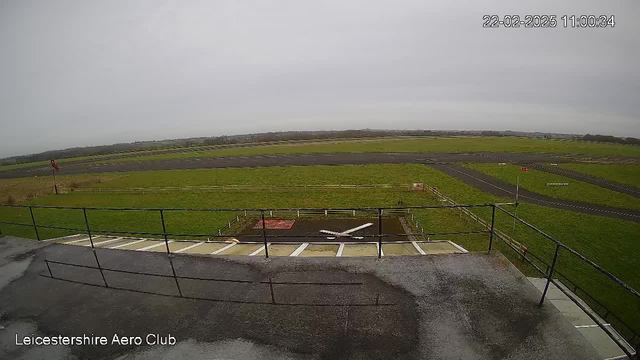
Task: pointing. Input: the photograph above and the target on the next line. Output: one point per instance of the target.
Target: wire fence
(241, 188)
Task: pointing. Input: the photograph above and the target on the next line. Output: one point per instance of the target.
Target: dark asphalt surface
(471, 306)
(186, 150)
(282, 160)
(309, 230)
(611, 185)
(498, 187)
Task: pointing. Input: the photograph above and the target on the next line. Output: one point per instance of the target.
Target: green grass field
(452, 144)
(437, 144)
(536, 181)
(625, 174)
(426, 144)
(81, 158)
(609, 242)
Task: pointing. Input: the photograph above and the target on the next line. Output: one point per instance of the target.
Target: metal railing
(380, 238)
(270, 300)
(377, 212)
(551, 271)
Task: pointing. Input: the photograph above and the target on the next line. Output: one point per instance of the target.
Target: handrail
(250, 209)
(582, 257)
(381, 237)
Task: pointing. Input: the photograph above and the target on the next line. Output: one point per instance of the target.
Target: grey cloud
(91, 72)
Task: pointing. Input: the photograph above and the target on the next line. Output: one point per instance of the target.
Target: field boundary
(224, 188)
(520, 248)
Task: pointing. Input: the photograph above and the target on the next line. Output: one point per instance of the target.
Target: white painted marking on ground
(590, 326)
(261, 249)
(340, 250)
(126, 244)
(619, 357)
(300, 249)
(154, 245)
(75, 241)
(62, 237)
(106, 241)
(223, 249)
(189, 247)
(379, 249)
(418, 248)
(458, 246)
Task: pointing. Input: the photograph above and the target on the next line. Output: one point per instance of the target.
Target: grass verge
(625, 174)
(536, 181)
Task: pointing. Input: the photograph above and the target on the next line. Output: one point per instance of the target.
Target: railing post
(264, 235)
(175, 277)
(164, 232)
(273, 298)
(86, 221)
(48, 267)
(379, 233)
(100, 267)
(493, 225)
(33, 220)
(553, 265)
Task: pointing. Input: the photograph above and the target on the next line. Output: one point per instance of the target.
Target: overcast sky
(77, 73)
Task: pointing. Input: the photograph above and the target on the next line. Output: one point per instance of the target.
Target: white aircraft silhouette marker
(346, 233)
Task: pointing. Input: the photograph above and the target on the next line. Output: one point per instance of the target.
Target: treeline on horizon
(271, 137)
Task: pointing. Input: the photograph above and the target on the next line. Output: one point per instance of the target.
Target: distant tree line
(611, 139)
(290, 136)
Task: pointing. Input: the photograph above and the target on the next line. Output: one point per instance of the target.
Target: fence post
(164, 232)
(493, 225)
(553, 265)
(379, 233)
(33, 220)
(86, 222)
(264, 235)
(93, 248)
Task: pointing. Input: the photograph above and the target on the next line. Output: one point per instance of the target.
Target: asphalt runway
(441, 161)
(494, 186)
(594, 180)
(284, 160)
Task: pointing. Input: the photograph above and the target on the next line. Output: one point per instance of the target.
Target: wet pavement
(472, 306)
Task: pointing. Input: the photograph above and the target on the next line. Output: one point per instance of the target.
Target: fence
(549, 271)
(380, 238)
(271, 300)
(629, 332)
(243, 188)
(265, 237)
